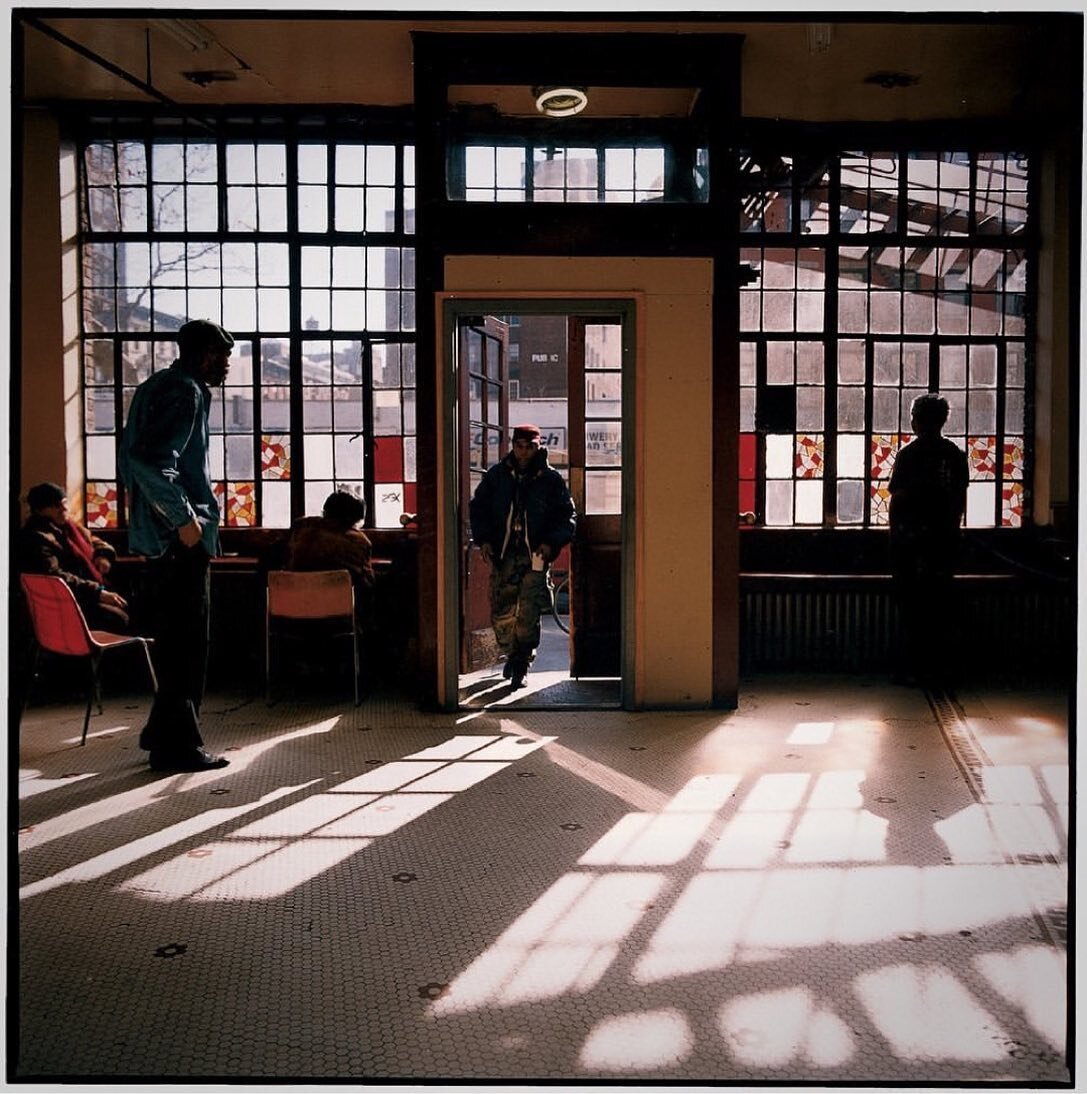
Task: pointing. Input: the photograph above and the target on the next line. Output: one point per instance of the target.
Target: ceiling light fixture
(560, 102)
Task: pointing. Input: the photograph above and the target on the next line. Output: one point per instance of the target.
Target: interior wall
(47, 282)
(1053, 346)
(672, 461)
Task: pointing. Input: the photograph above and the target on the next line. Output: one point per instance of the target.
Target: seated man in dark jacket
(50, 543)
(333, 541)
(522, 516)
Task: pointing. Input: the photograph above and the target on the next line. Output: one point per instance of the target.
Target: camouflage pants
(518, 595)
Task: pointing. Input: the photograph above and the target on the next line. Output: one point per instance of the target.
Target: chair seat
(108, 638)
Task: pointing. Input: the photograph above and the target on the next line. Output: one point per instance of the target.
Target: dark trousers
(179, 587)
(927, 617)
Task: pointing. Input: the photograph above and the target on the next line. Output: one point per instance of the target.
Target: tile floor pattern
(814, 887)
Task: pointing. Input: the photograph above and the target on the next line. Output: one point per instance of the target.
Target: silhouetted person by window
(522, 516)
(334, 541)
(928, 499)
(173, 521)
(50, 543)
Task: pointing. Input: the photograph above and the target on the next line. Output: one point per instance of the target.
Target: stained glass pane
(388, 459)
(879, 496)
(1013, 458)
(884, 446)
(1011, 515)
(240, 510)
(101, 505)
(981, 453)
(747, 455)
(809, 456)
(275, 456)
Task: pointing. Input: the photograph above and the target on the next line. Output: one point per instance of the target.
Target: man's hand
(486, 553)
(190, 534)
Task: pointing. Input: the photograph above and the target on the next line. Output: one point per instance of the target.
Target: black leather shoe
(197, 759)
(517, 678)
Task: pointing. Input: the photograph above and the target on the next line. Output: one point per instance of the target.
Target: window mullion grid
(760, 434)
(869, 395)
(830, 387)
(1001, 405)
(295, 335)
(369, 441)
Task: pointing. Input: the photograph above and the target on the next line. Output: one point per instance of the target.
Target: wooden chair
(60, 627)
(295, 595)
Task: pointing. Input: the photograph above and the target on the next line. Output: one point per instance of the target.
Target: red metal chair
(60, 627)
(310, 595)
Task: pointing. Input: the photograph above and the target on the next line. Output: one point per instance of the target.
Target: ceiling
(898, 68)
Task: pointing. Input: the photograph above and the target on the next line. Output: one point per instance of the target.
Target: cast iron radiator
(849, 623)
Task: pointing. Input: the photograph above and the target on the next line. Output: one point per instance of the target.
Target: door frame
(449, 307)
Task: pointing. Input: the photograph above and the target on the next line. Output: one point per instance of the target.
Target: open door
(595, 357)
(482, 356)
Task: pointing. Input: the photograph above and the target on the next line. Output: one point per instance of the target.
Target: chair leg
(92, 692)
(267, 665)
(32, 675)
(355, 650)
(150, 666)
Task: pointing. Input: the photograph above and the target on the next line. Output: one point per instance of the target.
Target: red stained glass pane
(747, 455)
(982, 455)
(1011, 515)
(388, 459)
(237, 503)
(1013, 458)
(410, 504)
(101, 505)
(275, 456)
(747, 497)
(809, 456)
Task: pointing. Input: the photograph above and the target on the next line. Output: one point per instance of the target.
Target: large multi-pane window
(593, 172)
(301, 247)
(875, 277)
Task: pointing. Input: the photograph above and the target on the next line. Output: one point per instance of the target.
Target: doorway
(563, 366)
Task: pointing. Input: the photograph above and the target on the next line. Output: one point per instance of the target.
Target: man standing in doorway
(522, 516)
(173, 521)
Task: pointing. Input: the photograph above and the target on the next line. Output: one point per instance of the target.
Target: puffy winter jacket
(543, 495)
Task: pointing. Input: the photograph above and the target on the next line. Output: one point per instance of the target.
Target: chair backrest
(59, 625)
(310, 594)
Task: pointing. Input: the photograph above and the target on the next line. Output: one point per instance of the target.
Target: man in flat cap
(522, 516)
(173, 521)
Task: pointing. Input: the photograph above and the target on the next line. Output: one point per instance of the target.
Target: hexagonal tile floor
(838, 881)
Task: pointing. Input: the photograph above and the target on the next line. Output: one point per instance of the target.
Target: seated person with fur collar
(50, 543)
